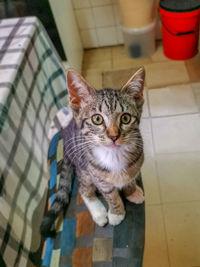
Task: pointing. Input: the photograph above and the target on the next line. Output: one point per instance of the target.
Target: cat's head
(107, 117)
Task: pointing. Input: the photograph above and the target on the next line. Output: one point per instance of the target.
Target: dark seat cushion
(79, 241)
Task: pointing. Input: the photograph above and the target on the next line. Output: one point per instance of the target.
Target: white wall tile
(85, 18)
(100, 2)
(107, 36)
(89, 38)
(69, 32)
(104, 16)
(91, 14)
(81, 3)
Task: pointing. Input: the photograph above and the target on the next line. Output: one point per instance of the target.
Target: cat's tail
(47, 227)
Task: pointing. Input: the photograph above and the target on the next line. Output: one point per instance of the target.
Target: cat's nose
(113, 133)
(114, 138)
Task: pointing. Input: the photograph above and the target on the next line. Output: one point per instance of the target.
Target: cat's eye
(126, 118)
(97, 119)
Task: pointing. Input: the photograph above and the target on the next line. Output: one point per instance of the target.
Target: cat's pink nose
(114, 138)
(113, 134)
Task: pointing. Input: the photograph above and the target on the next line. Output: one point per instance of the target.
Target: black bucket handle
(179, 33)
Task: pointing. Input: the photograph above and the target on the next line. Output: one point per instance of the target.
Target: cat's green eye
(126, 118)
(97, 119)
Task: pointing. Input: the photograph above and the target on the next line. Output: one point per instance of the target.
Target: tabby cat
(102, 142)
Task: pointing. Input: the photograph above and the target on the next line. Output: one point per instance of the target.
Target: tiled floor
(171, 132)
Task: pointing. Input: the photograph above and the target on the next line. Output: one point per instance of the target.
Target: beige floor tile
(159, 53)
(119, 52)
(100, 54)
(183, 233)
(179, 176)
(176, 134)
(116, 79)
(193, 67)
(121, 60)
(97, 59)
(172, 100)
(196, 90)
(155, 252)
(94, 78)
(162, 74)
(125, 63)
(145, 127)
(98, 65)
(150, 181)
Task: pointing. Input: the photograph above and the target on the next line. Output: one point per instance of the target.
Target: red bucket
(180, 32)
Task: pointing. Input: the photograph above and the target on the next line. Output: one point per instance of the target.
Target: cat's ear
(135, 86)
(81, 93)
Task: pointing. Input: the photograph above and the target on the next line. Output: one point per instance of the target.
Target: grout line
(173, 203)
(175, 115)
(151, 127)
(148, 102)
(112, 61)
(177, 152)
(166, 85)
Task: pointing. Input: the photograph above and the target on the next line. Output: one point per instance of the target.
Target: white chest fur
(111, 158)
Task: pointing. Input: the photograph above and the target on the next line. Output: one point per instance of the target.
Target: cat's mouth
(113, 145)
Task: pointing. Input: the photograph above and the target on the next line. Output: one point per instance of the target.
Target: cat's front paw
(97, 210)
(137, 197)
(100, 217)
(115, 219)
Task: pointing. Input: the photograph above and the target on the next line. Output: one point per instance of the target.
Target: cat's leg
(116, 212)
(134, 193)
(94, 205)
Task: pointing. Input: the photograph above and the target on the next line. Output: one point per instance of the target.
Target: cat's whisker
(75, 148)
(76, 144)
(76, 154)
(76, 140)
(73, 140)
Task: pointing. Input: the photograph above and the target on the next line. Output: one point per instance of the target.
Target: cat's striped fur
(107, 157)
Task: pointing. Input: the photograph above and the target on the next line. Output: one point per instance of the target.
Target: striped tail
(47, 227)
